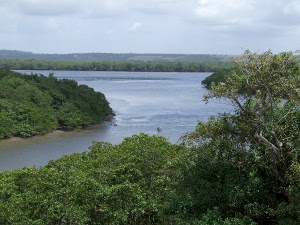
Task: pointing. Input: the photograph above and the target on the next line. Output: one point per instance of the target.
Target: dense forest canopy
(238, 168)
(35, 104)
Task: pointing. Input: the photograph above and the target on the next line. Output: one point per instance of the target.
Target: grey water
(142, 102)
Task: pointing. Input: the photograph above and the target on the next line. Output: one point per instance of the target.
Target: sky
(150, 26)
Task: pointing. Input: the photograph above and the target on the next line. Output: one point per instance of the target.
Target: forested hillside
(30, 64)
(131, 57)
(239, 168)
(35, 104)
(19, 60)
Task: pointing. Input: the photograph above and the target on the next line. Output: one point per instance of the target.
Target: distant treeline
(35, 104)
(31, 64)
(130, 57)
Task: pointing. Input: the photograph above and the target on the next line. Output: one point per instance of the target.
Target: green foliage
(239, 168)
(28, 64)
(217, 77)
(13, 54)
(35, 104)
(213, 217)
(130, 183)
(252, 152)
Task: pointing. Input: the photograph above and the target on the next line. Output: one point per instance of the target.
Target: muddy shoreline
(108, 121)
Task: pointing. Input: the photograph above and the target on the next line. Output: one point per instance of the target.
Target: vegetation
(35, 104)
(217, 77)
(252, 153)
(129, 57)
(221, 75)
(241, 167)
(130, 183)
(30, 64)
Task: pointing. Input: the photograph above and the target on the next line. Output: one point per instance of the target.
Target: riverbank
(38, 150)
(17, 139)
(141, 101)
(107, 122)
(35, 104)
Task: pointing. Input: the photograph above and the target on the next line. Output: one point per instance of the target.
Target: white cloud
(102, 9)
(135, 26)
(189, 26)
(220, 12)
(292, 7)
(47, 8)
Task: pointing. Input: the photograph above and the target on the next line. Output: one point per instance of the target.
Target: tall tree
(265, 94)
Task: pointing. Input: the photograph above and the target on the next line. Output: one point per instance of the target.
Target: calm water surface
(142, 102)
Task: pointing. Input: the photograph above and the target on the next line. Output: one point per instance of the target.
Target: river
(142, 102)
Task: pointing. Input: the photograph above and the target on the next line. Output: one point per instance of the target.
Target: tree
(35, 104)
(258, 141)
(217, 77)
(266, 95)
(130, 183)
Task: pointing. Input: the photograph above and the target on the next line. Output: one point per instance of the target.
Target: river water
(142, 102)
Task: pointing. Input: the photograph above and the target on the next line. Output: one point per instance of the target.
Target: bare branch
(266, 142)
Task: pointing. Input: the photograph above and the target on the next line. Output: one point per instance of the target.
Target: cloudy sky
(150, 26)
